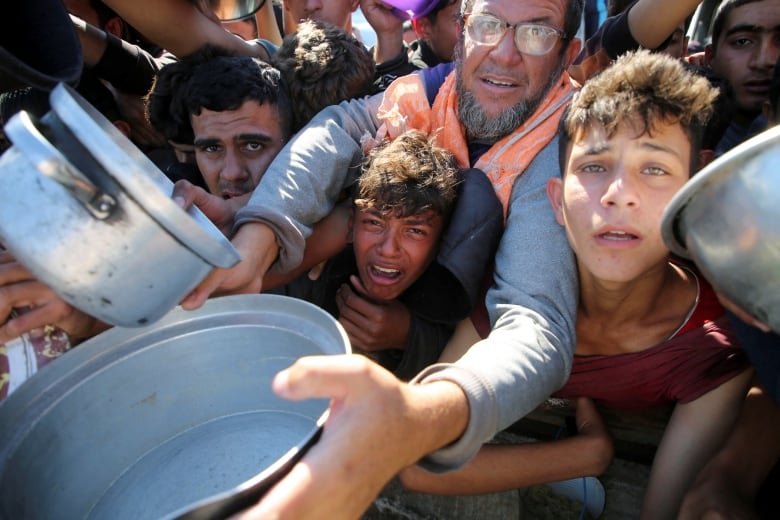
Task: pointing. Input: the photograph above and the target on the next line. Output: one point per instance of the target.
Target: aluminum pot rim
(23, 409)
(140, 178)
(711, 173)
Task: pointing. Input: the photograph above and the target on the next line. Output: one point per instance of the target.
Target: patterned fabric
(22, 357)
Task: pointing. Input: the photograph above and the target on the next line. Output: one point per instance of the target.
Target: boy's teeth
(385, 271)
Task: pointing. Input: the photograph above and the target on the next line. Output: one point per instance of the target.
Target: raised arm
(652, 21)
(180, 27)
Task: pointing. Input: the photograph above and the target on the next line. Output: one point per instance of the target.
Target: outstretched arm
(695, 432)
(501, 467)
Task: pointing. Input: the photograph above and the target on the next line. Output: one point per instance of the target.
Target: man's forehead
(525, 10)
(763, 13)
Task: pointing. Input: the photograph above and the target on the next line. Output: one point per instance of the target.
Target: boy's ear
(555, 194)
(705, 157)
(123, 126)
(115, 26)
(421, 27)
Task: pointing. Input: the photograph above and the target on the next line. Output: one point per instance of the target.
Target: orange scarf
(405, 106)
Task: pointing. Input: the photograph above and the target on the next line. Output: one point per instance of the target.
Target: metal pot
(726, 220)
(92, 217)
(148, 422)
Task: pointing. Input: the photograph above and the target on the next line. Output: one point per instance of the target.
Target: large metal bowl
(145, 422)
(727, 220)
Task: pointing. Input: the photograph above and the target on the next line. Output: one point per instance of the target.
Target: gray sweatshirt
(532, 303)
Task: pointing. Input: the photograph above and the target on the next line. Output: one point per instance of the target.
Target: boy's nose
(620, 191)
(388, 246)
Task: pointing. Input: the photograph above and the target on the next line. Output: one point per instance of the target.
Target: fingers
(331, 377)
(12, 271)
(184, 194)
(198, 296)
(350, 301)
(44, 308)
(22, 293)
(35, 318)
(316, 271)
(220, 212)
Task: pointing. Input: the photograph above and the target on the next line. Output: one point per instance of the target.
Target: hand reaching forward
(20, 289)
(376, 426)
(372, 326)
(255, 242)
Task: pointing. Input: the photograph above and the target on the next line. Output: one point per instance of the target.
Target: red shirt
(702, 355)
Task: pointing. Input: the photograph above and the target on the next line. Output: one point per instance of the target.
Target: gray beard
(484, 128)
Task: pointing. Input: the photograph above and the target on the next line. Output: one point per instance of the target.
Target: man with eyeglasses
(497, 108)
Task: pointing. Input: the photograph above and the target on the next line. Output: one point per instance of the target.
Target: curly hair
(323, 65)
(408, 176)
(215, 80)
(643, 88)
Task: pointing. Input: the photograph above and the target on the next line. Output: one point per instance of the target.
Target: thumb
(320, 377)
(357, 284)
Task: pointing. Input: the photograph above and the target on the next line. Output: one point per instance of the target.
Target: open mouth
(385, 273)
(618, 236)
(499, 83)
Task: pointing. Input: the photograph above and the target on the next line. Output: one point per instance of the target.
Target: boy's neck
(615, 318)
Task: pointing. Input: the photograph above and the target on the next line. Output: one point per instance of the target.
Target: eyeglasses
(530, 38)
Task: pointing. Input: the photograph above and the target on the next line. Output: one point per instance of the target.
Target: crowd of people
(479, 208)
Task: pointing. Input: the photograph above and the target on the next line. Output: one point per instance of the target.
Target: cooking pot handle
(23, 133)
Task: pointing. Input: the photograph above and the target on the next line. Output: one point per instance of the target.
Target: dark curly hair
(408, 176)
(645, 88)
(323, 65)
(215, 80)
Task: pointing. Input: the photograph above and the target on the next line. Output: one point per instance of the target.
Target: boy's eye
(592, 168)
(371, 222)
(654, 170)
(418, 231)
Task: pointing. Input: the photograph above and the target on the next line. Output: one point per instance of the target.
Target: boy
(650, 332)
(234, 112)
(402, 203)
(322, 65)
